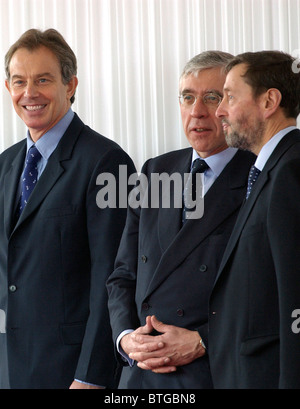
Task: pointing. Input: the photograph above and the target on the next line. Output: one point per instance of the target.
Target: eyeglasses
(210, 99)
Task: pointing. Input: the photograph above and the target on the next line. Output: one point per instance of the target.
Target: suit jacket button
(12, 288)
(144, 258)
(145, 306)
(180, 312)
(203, 268)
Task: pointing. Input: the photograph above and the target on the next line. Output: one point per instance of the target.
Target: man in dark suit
(253, 342)
(165, 270)
(57, 251)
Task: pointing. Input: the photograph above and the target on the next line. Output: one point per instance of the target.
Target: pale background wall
(131, 53)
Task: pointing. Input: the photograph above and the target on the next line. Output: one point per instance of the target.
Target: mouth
(34, 108)
(201, 130)
(225, 125)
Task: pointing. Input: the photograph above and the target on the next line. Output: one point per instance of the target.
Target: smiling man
(57, 246)
(39, 96)
(166, 264)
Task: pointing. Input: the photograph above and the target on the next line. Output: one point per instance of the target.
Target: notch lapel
(170, 219)
(54, 168)
(48, 178)
(242, 218)
(11, 183)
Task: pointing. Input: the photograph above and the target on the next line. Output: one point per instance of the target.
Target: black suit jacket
(169, 271)
(251, 340)
(55, 261)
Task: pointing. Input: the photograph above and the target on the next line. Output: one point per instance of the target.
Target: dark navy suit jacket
(54, 263)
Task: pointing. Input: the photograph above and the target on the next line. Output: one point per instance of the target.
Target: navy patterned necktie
(253, 175)
(30, 175)
(199, 166)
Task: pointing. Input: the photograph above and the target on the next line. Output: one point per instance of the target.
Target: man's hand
(132, 343)
(164, 353)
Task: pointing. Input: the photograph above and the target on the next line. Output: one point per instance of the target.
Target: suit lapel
(54, 168)
(248, 205)
(49, 177)
(170, 218)
(11, 183)
(224, 197)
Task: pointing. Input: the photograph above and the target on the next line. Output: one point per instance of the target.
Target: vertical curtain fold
(131, 53)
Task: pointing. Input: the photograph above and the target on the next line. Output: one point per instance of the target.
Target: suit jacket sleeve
(121, 284)
(105, 227)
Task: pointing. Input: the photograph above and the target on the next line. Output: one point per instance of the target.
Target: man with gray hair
(168, 257)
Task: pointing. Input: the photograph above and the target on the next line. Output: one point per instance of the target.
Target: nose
(199, 109)
(221, 112)
(31, 90)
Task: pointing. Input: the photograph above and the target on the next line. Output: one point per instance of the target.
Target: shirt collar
(218, 161)
(48, 142)
(269, 147)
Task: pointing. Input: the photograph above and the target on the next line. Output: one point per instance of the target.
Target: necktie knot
(29, 176)
(33, 156)
(199, 166)
(253, 175)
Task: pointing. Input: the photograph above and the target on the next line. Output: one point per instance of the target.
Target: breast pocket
(59, 211)
(255, 345)
(252, 230)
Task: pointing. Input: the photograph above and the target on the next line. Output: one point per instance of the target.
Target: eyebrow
(45, 74)
(207, 91)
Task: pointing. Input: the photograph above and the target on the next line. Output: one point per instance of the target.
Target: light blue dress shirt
(216, 165)
(49, 141)
(269, 147)
(47, 144)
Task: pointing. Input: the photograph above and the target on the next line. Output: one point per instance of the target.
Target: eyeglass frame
(219, 97)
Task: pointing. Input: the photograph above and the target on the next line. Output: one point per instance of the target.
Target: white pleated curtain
(131, 53)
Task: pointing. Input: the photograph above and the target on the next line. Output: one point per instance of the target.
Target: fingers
(157, 365)
(158, 325)
(145, 347)
(147, 328)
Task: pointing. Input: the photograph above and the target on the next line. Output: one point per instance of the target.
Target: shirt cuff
(91, 384)
(124, 356)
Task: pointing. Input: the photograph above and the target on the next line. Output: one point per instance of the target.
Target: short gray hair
(205, 60)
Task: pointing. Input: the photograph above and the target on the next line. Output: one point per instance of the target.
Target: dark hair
(54, 41)
(272, 69)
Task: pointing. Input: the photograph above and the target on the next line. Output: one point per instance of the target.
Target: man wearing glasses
(168, 258)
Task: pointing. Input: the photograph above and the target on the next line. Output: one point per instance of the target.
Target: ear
(7, 85)
(71, 86)
(271, 101)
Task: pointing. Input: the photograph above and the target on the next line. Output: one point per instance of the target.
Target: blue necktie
(253, 175)
(199, 166)
(30, 175)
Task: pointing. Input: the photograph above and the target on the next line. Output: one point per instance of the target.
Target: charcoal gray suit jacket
(167, 270)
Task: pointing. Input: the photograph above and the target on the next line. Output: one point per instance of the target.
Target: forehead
(235, 79)
(206, 80)
(40, 59)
